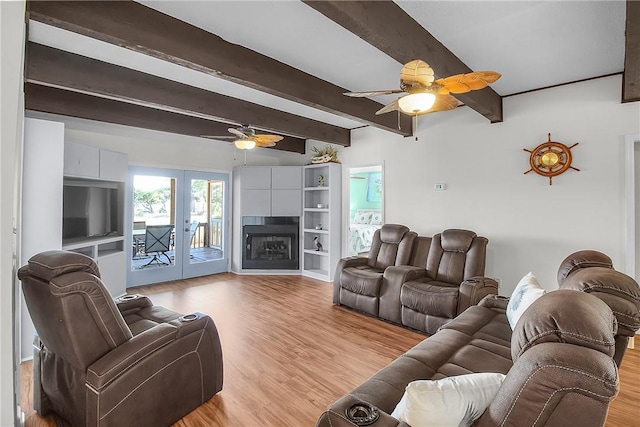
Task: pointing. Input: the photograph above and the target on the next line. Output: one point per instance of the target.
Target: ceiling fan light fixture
(416, 103)
(245, 144)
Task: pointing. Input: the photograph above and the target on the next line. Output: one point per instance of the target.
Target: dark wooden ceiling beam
(73, 104)
(384, 25)
(142, 29)
(53, 67)
(631, 75)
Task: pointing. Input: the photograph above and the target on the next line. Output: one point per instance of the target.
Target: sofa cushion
(566, 316)
(456, 240)
(362, 280)
(448, 402)
(431, 297)
(526, 292)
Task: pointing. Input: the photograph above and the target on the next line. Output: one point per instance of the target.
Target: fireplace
(270, 243)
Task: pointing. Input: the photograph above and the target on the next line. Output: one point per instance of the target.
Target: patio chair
(157, 240)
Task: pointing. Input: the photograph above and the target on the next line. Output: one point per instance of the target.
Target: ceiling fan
(245, 138)
(426, 95)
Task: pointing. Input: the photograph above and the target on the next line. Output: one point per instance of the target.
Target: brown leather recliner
(100, 363)
(449, 281)
(358, 280)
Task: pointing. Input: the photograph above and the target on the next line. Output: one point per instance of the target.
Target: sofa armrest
(130, 303)
(335, 415)
(343, 263)
(474, 289)
(495, 302)
(392, 280)
(119, 360)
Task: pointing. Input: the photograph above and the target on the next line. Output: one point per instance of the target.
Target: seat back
(391, 245)
(158, 238)
(456, 255)
(563, 373)
(73, 313)
(592, 272)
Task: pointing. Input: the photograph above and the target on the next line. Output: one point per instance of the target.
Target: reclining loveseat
(103, 363)
(428, 283)
(559, 362)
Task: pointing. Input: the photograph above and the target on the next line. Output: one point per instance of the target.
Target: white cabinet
(81, 160)
(84, 161)
(270, 191)
(321, 218)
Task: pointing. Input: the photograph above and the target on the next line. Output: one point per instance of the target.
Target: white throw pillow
(362, 217)
(448, 402)
(376, 218)
(526, 292)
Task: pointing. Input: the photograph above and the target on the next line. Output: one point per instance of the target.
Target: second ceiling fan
(245, 138)
(425, 94)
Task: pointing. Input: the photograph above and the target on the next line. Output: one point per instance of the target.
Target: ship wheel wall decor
(550, 159)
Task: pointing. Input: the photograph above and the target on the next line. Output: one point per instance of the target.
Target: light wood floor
(289, 353)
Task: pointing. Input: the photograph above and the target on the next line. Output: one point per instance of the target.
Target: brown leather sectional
(560, 360)
(103, 363)
(415, 281)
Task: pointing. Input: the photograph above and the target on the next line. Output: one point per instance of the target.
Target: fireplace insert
(270, 243)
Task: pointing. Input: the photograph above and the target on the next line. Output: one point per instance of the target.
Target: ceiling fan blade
(392, 106)
(218, 136)
(265, 144)
(417, 71)
(237, 133)
(463, 83)
(267, 139)
(372, 93)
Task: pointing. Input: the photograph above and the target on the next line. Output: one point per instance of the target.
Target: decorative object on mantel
(550, 159)
(317, 244)
(321, 181)
(325, 155)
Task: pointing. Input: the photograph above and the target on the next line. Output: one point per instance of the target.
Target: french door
(178, 224)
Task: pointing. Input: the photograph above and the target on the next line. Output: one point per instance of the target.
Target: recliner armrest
(495, 302)
(351, 261)
(473, 290)
(120, 359)
(392, 280)
(130, 303)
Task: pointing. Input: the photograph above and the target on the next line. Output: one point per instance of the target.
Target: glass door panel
(154, 215)
(205, 223)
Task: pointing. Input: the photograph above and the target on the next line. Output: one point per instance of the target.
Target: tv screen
(89, 210)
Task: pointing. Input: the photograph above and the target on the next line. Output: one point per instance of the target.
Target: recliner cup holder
(362, 414)
(127, 297)
(188, 317)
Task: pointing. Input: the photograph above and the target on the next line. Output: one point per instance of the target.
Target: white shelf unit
(322, 209)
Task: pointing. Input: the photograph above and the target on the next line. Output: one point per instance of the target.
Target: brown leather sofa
(560, 360)
(103, 363)
(358, 282)
(442, 277)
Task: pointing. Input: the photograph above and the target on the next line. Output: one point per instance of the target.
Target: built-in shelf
(321, 264)
(314, 252)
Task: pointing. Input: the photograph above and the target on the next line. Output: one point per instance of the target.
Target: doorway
(366, 202)
(178, 224)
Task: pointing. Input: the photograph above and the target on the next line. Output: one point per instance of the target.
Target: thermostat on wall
(439, 187)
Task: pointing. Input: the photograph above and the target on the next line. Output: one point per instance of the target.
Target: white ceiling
(533, 44)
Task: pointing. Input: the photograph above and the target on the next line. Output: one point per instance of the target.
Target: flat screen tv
(89, 209)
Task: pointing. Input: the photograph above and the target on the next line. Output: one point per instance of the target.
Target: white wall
(531, 226)
(11, 107)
